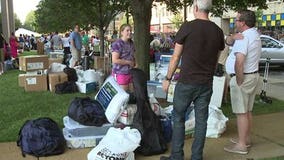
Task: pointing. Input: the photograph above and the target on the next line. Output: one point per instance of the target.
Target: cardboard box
(56, 78)
(86, 87)
(21, 80)
(40, 48)
(21, 62)
(35, 82)
(56, 54)
(33, 62)
(54, 60)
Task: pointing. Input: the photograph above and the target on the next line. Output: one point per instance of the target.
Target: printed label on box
(35, 65)
(31, 81)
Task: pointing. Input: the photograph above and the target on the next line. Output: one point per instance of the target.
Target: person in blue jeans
(197, 44)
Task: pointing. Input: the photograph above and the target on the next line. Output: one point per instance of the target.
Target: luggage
(87, 112)
(66, 87)
(41, 137)
(71, 74)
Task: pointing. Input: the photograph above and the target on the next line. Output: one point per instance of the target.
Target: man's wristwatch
(168, 79)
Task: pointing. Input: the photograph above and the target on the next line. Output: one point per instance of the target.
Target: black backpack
(71, 74)
(145, 120)
(41, 137)
(66, 87)
(87, 111)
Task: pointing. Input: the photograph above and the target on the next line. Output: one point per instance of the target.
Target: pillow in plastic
(113, 99)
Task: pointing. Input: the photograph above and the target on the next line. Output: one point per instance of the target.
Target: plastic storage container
(80, 136)
(74, 141)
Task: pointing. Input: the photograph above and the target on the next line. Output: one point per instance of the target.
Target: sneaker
(164, 158)
(235, 141)
(236, 149)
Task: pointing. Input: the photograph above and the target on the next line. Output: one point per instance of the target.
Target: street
(275, 82)
(274, 72)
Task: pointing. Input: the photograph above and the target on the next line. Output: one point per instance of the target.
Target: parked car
(273, 49)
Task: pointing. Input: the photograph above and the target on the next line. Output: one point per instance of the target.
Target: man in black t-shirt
(198, 44)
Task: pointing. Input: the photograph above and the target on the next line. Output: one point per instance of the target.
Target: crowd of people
(15, 45)
(11, 49)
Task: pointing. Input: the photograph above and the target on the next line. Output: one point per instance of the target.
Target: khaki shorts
(76, 55)
(243, 96)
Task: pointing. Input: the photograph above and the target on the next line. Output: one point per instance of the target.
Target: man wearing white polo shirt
(242, 66)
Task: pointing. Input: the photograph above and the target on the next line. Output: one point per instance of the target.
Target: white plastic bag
(56, 67)
(216, 123)
(91, 75)
(116, 144)
(155, 105)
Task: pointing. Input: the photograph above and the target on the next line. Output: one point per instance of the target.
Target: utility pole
(8, 22)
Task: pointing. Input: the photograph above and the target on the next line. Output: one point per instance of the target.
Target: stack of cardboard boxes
(55, 77)
(34, 66)
(55, 57)
(36, 78)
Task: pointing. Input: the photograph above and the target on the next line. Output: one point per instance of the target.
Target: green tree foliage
(100, 13)
(18, 22)
(219, 6)
(64, 14)
(259, 14)
(30, 21)
(59, 16)
(177, 20)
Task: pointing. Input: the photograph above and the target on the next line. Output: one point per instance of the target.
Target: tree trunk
(141, 12)
(102, 41)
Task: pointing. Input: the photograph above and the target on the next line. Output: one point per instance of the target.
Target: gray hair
(203, 5)
(248, 17)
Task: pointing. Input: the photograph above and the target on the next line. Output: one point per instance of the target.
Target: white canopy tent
(26, 32)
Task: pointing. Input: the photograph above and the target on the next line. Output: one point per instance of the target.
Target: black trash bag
(145, 120)
(66, 87)
(71, 74)
(87, 112)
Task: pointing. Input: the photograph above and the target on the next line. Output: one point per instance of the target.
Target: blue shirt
(76, 37)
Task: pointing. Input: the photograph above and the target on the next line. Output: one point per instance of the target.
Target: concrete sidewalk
(275, 88)
(267, 139)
